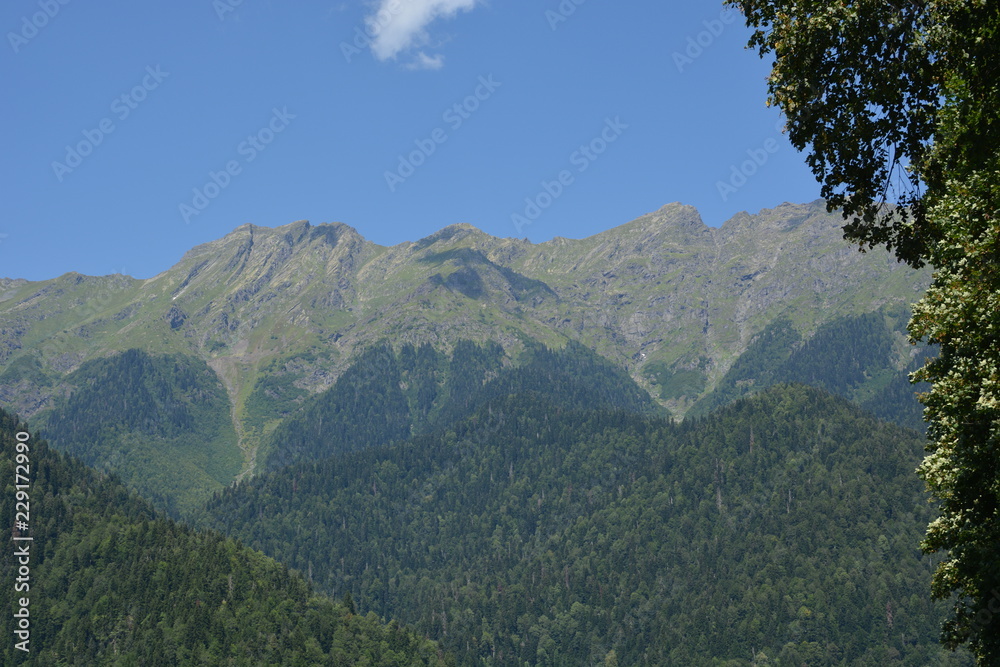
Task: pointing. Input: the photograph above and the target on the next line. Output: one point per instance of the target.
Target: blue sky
(137, 130)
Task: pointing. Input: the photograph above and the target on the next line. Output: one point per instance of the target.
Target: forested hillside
(781, 530)
(160, 422)
(481, 438)
(385, 397)
(113, 583)
(163, 423)
(853, 357)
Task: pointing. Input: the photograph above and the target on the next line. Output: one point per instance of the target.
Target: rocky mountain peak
(459, 233)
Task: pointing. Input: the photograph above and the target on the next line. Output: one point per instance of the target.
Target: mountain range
(663, 444)
(285, 311)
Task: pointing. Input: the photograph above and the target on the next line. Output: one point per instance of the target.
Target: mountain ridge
(663, 289)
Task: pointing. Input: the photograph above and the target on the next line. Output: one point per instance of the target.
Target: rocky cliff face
(302, 299)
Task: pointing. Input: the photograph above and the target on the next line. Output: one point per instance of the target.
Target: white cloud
(399, 25)
(424, 61)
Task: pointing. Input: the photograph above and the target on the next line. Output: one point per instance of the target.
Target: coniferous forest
(159, 421)
(780, 530)
(466, 507)
(112, 582)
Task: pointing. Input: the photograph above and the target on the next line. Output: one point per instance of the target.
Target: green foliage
(897, 400)
(25, 368)
(843, 355)
(531, 533)
(883, 92)
(570, 378)
(755, 368)
(959, 312)
(421, 369)
(274, 396)
(853, 357)
(677, 384)
(159, 422)
(113, 583)
(365, 407)
(384, 397)
(470, 367)
(861, 92)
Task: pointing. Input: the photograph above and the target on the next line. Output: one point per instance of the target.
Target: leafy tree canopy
(898, 100)
(865, 87)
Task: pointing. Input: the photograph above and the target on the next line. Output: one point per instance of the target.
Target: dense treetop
(780, 531)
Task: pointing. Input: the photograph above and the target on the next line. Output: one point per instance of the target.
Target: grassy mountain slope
(112, 583)
(781, 530)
